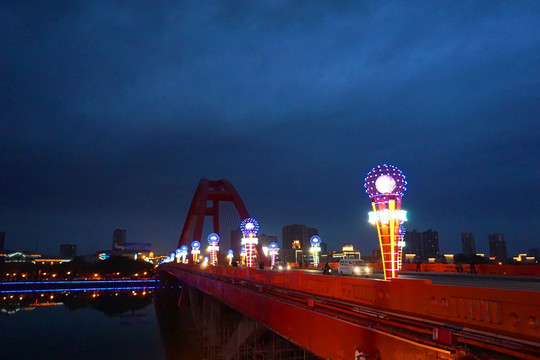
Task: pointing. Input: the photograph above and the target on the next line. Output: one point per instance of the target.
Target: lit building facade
(296, 243)
(497, 247)
(423, 245)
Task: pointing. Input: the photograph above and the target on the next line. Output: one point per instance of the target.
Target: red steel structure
(404, 319)
(365, 319)
(212, 192)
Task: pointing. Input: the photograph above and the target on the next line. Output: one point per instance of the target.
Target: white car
(354, 267)
(281, 266)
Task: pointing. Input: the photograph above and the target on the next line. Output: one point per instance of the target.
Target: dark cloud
(112, 112)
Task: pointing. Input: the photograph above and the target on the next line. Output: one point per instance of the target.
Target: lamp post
(230, 256)
(315, 248)
(385, 185)
(249, 228)
(195, 250)
(243, 255)
(183, 253)
(273, 250)
(401, 245)
(213, 247)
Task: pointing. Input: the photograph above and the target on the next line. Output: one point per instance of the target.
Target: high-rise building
(68, 251)
(431, 243)
(424, 244)
(265, 240)
(296, 243)
(299, 232)
(119, 239)
(2, 240)
(468, 246)
(497, 247)
(235, 239)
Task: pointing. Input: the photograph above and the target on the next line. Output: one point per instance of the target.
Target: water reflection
(196, 326)
(83, 325)
(110, 303)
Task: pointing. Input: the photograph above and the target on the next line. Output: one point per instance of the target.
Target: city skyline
(411, 246)
(111, 114)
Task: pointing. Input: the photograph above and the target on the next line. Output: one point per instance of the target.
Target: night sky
(111, 113)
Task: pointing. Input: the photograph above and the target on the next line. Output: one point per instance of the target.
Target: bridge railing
(514, 313)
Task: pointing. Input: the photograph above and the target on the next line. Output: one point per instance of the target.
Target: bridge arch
(205, 203)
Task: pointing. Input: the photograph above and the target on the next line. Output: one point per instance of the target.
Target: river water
(142, 323)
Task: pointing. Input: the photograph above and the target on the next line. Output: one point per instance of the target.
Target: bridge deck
(401, 318)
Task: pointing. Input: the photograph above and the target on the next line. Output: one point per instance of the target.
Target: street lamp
(273, 248)
(315, 248)
(249, 228)
(213, 240)
(195, 250)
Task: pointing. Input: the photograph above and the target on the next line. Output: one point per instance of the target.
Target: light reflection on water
(86, 324)
(118, 323)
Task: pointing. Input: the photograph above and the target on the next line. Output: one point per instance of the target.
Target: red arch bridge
(356, 318)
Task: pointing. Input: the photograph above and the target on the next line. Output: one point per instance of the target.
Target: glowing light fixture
(243, 255)
(273, 249)
(315, 248)
(213, 240)
(230, 256)
(385, 185)
(195, 250)
(249, 228)
(183, 253)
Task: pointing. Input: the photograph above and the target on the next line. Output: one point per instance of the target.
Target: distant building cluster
(420, 246)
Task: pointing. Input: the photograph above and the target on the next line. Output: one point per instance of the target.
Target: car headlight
(280, 267)
(367, 269)
(288, 267)
(356, 269)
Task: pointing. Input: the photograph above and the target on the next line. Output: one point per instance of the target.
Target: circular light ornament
(183, 249)
(213, 238)
(315, 240)
(230, 252)
(385, 184)
(195, 245)
(273, 245)
(249, 227)
(385, 180)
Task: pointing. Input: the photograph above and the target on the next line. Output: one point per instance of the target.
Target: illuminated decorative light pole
(178, 254)
(230, 255)
(401, 245)
(213, 240)
(195, 250)
(243, 255)
(273, 248)
(385, 185)
(315, 248)
(183, 253)
(249, 228)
